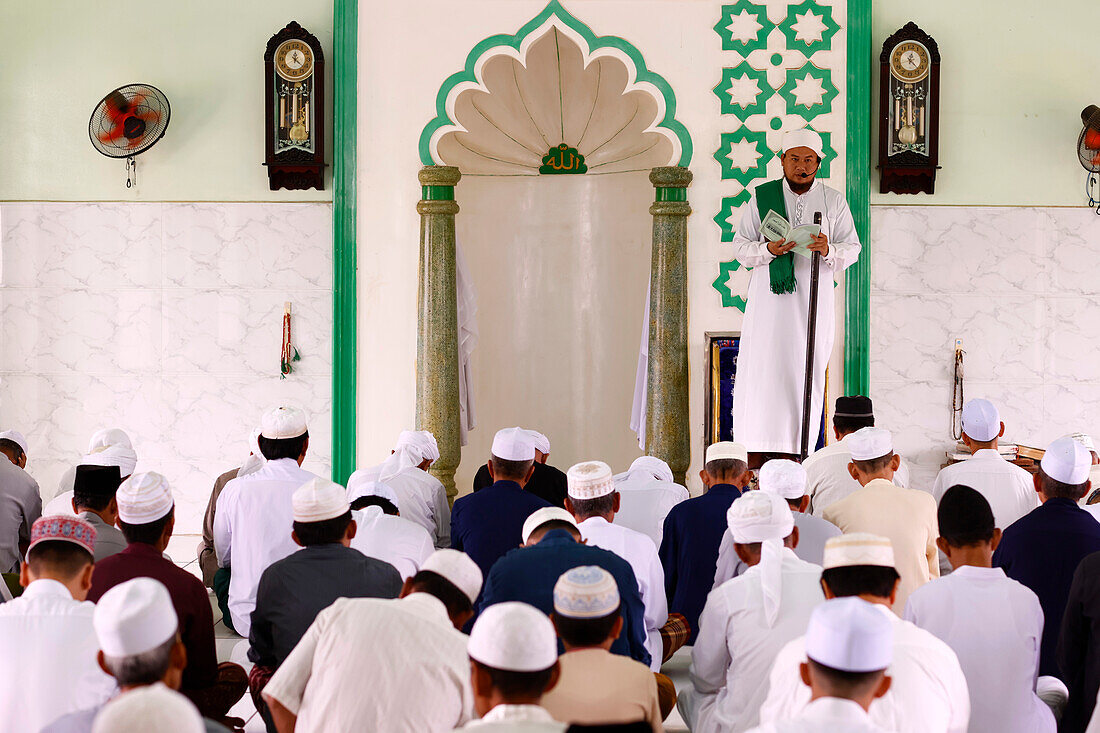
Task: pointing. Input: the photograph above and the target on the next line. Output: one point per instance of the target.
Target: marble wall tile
(1073, 235)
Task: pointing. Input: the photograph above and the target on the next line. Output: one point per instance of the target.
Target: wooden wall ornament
(909, 112)
(294, 108)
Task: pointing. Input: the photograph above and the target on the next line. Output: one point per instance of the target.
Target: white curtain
(467, 340)
(641, 378)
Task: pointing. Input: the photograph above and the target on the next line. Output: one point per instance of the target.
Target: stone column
(437, 324)
(667, 432)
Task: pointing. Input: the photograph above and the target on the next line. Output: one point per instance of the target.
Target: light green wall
(62, 56)
(1015, 76)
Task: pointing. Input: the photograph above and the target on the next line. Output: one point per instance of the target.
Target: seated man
(648, 495)
(47, 641)
(19, 493)
(993, 623)
(208, 558)
(147, 515)
(94, 501)
(139, 645)
(849, 646)
(906, 517)
(13, 446)
(149, 708)
(928, 693)
(254, 512)
(382, 532)
(421, 495)
(748, 619)
(547, 482)
(110, 447)
(596, 686)
(417, 655)
(487, 524)
(694, 529)
(593, 501)
(513, 663)
(295, 589)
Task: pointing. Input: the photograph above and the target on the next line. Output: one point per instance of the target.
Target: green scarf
(769, 197)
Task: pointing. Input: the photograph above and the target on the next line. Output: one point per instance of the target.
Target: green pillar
(667, 432)
(437, 324)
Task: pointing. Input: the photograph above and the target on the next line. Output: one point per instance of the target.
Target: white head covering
(1067, 461)
(646, 466)
(111, 447)
(726, 450)
(255, 460)
(867, 444)
(515, 637)
(1083, 438)
(586, 592)
(413, 448)
(134, 617)
(590, 480)
(858, 548)
(283, 423)
(149, 709)
(785, 479)
(540, 517)
(319, 499)
(540, 441)
(804, 138)
(513, 444)
(361, 484)
(980, 420)
(458, 568)
(761, 517)
(16, 437)
(107, 437)
(851, 635)
(144, 498)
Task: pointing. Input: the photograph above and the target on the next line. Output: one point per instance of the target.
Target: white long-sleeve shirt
(396, 540)
(48, 662)
(928, 693)
(995, 627)
(1009, 489)
(736, 647)
(826, 715)
(421, 498)
(828, 480)
(645, 503)
(252, 526)
(638, 550)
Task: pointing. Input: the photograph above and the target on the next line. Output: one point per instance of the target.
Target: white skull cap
(726, 450)
(319, 499)
(586, 592)
(149, 709)
(540, 517)
(858, 548)
(540, 441)
(851, 635)
(783, 478)
(513, 444)
(590, 480)
(804, 138)
(16, 437)
(980, 420)
(144, 498)
(1068, 461)
(514, 637)
(458, 568)
(134, 617)
(282, 423)
(867, 444)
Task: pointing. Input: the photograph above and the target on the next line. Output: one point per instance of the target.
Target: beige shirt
(208, 560)
(598, 687)
(828, 480)
(906, 517)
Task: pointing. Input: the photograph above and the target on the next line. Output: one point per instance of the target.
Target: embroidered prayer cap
(854, 406)
(458, 568)
(726, 450)
(134, 617)
(16, 437)
(514, 637)
(851, 635)
(283, 423)
(361, 484)
(785, 479)
(590, 480)
(63, 528)
(149, 709)
(980, 420)
(513, 444)
(757, 516)
(540, 441)
(120, 454)
(858, 548)
(144, 498)
(646, 466)
(319, 499)
(418, 443)
(540, 517)
(586, 592)
(804, 138)
(97, 480)
(1067, 461)
(1083, 438)
(867, 444)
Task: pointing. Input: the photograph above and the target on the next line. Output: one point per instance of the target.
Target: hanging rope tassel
(289, 353)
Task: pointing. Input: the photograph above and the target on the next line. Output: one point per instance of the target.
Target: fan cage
(153, 108)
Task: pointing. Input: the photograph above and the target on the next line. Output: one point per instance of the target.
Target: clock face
(910, 61)
(294, 60)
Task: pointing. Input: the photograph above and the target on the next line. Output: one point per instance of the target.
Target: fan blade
(116, 105)
(112, 136)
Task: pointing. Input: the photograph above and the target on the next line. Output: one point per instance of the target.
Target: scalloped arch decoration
(555, 24)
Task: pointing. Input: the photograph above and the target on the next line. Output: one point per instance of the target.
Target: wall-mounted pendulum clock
(295, 107)
(909, 118)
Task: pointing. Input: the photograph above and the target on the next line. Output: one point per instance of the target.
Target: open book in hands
(775, 227)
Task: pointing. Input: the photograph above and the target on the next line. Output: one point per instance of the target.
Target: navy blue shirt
(528, 574)
(489, 523)
(689, 550)
(1042, 550)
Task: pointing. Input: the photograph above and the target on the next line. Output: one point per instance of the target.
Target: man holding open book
(783, 224)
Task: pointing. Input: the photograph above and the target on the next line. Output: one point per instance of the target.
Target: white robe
(771, 364)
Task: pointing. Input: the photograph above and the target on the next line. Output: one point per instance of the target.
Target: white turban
(255, 460)
(786, 479)
(765, 518)
(804, 138)
(413, 448)
(646, 466)
(120, 454)
(111, 436)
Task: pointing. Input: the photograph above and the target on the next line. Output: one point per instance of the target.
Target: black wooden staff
(811, 338)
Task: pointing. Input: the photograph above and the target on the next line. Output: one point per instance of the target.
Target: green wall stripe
(345, 342)
(437, 193)
(857, 292)
(671, 194)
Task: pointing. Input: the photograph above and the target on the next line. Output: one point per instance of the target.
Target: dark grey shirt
(297, 588)
(108, 540)
(20, 506)
(81, 722)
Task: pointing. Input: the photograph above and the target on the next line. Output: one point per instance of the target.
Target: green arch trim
(594, 43)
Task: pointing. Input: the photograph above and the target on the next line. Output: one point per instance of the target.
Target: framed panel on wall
(721, 363)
